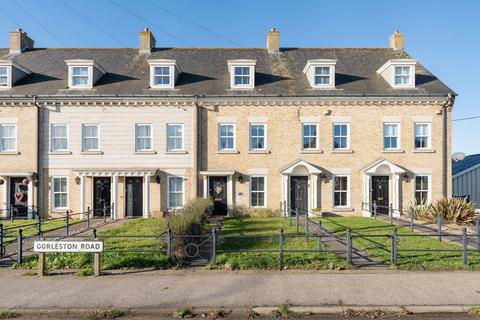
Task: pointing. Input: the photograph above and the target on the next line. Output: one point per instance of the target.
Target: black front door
(380, 193)
(299, 193)
(218, 192)
(18, 196)
(101, 195)
(134, 196)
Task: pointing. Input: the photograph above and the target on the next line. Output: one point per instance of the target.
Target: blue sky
(441, 34)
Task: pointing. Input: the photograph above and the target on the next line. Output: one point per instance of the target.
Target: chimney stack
(19, 41)
(147, 41)
(396, 41)
(273, 41)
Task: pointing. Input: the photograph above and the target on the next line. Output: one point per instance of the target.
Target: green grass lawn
(270, 260)
(380, 246)
(29, 227)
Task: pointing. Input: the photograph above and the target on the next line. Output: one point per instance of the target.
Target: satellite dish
(458, 156)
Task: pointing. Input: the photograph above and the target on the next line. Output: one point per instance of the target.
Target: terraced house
(141, 131)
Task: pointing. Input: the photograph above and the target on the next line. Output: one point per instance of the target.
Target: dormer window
(80, 77)
(403, 76)
(399, 73)
(10, 73)
(4, 78)
(321, 73)
(83, 74)
(163, 73)
(242, 74)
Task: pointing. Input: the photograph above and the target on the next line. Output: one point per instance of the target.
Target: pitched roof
(205, 72)
(465, 164)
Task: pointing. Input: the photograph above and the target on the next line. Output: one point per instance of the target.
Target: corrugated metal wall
(468, 184)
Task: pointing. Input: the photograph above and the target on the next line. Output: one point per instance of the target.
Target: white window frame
(97, 137)
(264, 136)
(329, 75)
(14, 125)
(429, 137)
(52, 187)
(317, 136)
(310, 71)
(52, 137)
(410, 76)
(174, 71)
(347, 191)
(399, 135)
(171, 76)
(182, 137)
(89, 77)
(347, 147)
(8, 76)
(242, 63)
(136, 137)
(250, 191)
(234, 137)
(429, 191)
(169, 177)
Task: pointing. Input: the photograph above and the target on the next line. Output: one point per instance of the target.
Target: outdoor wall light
(323, 177)
(406, 178)
(240, 178)
(77, 180)
(2, 181)
(158, 177)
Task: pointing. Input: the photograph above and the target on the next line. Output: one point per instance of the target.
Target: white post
(30, 199)
(366, 196)
(115, 196)
(230, 191)
(396, 197)
(146, 196)
(314, 178)
(205, 186)
(285, 190)
(82, 196)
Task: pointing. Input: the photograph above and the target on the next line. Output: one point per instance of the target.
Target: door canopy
(301, 168)
(383, 167)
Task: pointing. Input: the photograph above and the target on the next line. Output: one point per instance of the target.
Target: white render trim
(372, 168)
(422, 118)
(133, 172)
(217, 173)
(422, 171)
(341, 171)
(290, 168)
(228, 119)
(258, 119)
(396, 62)
(395, 119)
(10, 120)
(146, 194)
(257, 171)
(341, 118)
(314, 119)
(114, 196)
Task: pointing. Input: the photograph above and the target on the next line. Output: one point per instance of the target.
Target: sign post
(45, 246)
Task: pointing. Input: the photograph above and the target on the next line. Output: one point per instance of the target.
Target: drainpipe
(447, 106)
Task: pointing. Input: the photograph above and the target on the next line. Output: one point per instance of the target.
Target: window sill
(145, 152)
(423, 150)
(228, 151)
(92, 152)
(176, 152)
(11, 153)
(338, 151)
(164, 88)
(60, 152)
(394, 151)
(312, 151)
(259, 151)
(342, 209)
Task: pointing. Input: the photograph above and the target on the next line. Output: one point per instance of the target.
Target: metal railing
(13, 212)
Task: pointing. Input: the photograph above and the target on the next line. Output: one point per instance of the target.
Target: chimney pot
(397, 41)
(19, 41)
(273, 41)
(147, 41)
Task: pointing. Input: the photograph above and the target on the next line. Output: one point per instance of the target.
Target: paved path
(201, 288)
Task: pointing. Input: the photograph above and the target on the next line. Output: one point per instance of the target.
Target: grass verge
(235, 228)
(7, 314)
(29, 227)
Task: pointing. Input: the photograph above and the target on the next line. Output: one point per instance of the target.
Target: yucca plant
(420, 209)
(455, 210)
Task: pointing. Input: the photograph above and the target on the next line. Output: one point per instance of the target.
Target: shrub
(193, 213)
(421, 210)
(454, 210)
(105, 314)
(243, 212)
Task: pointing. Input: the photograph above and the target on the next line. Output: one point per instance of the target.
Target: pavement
(329, 292)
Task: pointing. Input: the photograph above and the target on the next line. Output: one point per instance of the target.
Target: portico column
(366, 196)
(230, 190)
(30, 199)
(205, 187)
(82, 196)
(396, 195)
(146, 196)
(115, 196)
(314, 178)
(285, 191)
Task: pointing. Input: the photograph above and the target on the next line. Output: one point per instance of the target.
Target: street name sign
(68, 246)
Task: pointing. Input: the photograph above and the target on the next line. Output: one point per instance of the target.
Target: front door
(134, 196)
(101, 195)
(299, 194)
(218, 192)
(18, 196)
(380, 193)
